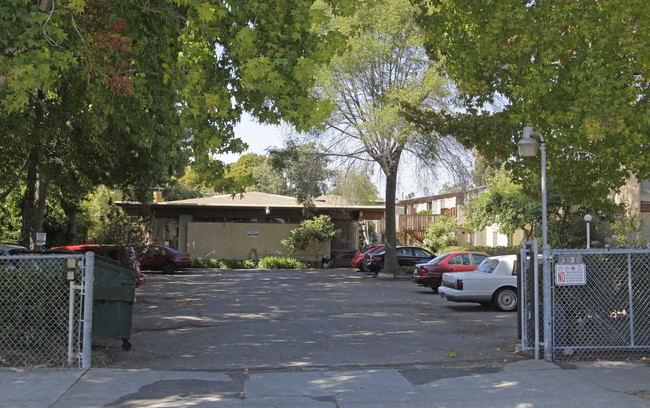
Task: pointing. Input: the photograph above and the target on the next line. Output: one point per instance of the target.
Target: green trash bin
(113, 297)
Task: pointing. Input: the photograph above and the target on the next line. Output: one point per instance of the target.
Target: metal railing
(46, 310)
(600, 302)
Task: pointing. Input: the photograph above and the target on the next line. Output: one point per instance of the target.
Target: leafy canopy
(577, 71)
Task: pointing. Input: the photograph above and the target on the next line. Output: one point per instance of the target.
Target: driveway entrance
(226, 320)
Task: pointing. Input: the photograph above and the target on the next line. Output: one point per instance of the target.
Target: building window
(645, 195)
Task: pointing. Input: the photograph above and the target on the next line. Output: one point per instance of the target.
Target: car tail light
(422, 271)
(459, 284)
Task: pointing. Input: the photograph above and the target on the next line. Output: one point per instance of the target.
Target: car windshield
(488, 265)
(437, 259)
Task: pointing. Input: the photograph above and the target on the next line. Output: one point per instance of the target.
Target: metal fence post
(631, 299)
(89, 281)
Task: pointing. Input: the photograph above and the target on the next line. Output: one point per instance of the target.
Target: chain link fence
(42, 303)
(602, 311)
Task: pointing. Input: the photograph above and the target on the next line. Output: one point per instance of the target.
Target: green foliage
(188, 185)
(310, 235)
(574, 70)
(205, 263)
(304, 169)
(492, 251)
(10, 218)
(237, 264)
(274, 262)
(441, 233)
(123, 93)
(627, 234)
(355, 186)
(503, 203)
(384, 66)
(242, 171)
(108, 224)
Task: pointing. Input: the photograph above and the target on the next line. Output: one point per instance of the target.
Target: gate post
(89, 281)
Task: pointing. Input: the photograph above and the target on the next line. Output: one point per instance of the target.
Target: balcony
(415, 225)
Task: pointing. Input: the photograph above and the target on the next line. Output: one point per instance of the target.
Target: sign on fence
(571, 274)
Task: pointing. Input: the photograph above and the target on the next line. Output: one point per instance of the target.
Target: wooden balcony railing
(417, 223)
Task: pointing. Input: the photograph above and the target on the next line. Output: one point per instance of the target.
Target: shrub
(273, 262)
(238, 264)
(205, 263)
(310, 236)
(493, 251)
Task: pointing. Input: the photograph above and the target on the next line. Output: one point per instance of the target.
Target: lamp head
(587, 217)
(527, 146)
(268, 210)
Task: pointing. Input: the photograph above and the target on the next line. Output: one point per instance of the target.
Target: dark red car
(125, 255)
(430, 274)
(357, 262)
(161, 257)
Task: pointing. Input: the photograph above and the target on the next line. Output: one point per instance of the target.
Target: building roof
(255, 201)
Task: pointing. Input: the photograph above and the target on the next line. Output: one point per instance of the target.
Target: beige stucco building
(413, 224)
(250, 226)
(636, 196)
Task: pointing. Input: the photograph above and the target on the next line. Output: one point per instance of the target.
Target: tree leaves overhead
(577, 71)
(123, 92)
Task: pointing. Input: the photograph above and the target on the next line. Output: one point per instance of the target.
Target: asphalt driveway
(212, 319)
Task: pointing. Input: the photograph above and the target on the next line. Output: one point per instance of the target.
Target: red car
(357, 262)
(430, 273)
(163, 258)
(125, 255)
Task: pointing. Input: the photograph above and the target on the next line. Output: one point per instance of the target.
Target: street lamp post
(588, 220)
(528, 147)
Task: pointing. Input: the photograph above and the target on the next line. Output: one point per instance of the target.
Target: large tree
(577, 71)
(112, 92)
(384, 66)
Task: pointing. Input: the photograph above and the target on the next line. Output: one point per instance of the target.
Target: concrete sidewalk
(527, 384)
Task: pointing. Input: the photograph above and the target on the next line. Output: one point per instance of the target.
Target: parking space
(225, 319)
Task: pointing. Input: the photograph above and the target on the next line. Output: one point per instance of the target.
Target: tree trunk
(391, 265)
(30, 204)
(70, 211)
(41, 198)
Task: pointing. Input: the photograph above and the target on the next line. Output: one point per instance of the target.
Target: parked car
(11, 249)
(357, 262)
(161, 257)
(493, 283)
(406, 256)
(7, 250)
(123, 254)
(430, 274)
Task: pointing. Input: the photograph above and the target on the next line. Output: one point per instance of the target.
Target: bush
(238, 264)
(273, 262)
(493, 251)
(205, 263)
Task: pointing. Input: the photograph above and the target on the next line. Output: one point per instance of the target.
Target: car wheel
(506, 299)
(436, 286)
(169, 267)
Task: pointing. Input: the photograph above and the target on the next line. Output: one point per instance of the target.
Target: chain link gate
(605, 317)
(46, 310)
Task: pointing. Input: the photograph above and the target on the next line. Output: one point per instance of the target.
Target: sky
(260, 137)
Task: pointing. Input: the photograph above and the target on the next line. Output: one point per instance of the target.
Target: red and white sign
(571, 274)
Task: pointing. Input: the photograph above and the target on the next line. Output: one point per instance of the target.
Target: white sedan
(494, 282)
